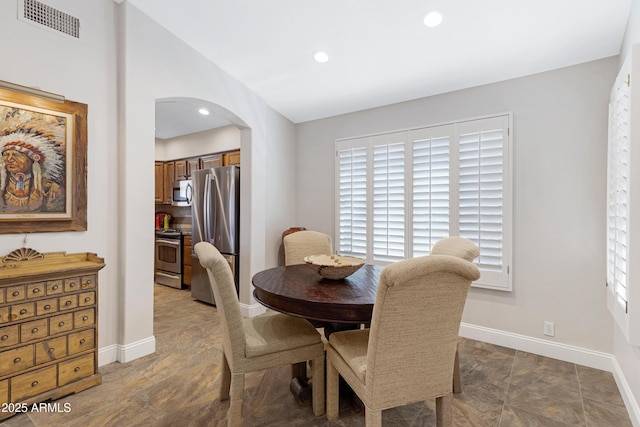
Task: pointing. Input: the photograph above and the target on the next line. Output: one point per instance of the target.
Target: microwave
(182, 193)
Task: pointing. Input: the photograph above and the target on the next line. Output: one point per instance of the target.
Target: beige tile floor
(178, 386)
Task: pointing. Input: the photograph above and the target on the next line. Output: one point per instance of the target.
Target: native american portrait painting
(38, 180)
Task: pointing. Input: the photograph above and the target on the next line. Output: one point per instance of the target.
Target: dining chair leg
(372, 418)
(318, 386)
(444, 414)
(333, 392)
(225, 378)
(234, 417)
(457, 382)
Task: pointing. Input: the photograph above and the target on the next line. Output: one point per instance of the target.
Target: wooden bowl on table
(334, 267)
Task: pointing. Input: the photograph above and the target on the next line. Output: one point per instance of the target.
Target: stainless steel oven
(168, 259)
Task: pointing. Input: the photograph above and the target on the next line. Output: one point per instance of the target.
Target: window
(398, 193)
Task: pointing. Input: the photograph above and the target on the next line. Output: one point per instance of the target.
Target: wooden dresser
(48, 325)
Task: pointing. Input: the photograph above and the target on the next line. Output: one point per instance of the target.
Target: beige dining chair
(303, 243)
(257, 343)
(400, 360)
(467, 250)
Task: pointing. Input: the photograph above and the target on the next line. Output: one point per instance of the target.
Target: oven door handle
(169, 242)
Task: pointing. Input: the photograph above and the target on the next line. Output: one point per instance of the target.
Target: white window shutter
(352, 209)
(431, 187)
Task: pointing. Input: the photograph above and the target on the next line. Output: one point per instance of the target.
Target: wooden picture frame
(43, 168)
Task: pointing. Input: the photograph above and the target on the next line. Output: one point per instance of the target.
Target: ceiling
(380, 52)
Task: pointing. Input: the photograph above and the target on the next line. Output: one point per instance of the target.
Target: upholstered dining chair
(303, 243)
(467, 250)
(257, 343)
(408, 353)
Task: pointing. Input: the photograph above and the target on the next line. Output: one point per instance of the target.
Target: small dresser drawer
(9, 336)
(33, 383)
(33, 330)
(4, 315)
(15, 293)
(68, 302)
(54, 287)
(86, 298)
(81, 341)
(22, 311)
(76, 369)
(84, 318)
(49, 350)
(72, 284)
(16, 360)
(46, 306)
(88, 282)
(36, 290)
(4, 391)
(61, 323)
(1, 295)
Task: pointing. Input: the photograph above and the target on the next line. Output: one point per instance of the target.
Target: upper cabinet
(231, 158)
(211, 161)
(163, 182)
(159, 174)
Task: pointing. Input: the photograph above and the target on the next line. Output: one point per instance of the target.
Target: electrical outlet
(549, 328)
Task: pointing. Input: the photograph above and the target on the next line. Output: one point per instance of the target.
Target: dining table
(298, 290)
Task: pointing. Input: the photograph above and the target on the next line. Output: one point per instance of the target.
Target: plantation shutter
(388, 197)
(431, 187)
(482, 189)
(618, 186)
(352, 190)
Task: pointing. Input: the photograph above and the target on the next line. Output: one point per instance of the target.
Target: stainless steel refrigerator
(215, 218)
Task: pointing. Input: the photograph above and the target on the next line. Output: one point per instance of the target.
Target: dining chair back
(257, 343)
(303, 243)
(467, 250)
(408, 353)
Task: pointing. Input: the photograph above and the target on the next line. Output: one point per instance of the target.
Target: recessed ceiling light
(321, 57)
(203, 111)
(433, 18)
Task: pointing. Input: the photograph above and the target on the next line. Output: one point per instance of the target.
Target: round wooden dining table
(298, 290)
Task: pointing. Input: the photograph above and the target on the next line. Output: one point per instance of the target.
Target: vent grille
(42, 14)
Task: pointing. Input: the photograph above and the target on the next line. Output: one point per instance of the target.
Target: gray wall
(560, 140)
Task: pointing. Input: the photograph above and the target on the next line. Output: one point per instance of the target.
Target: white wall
(560, 139)
(83, 70)
(156, 65)
(628, 356)
(196, 144)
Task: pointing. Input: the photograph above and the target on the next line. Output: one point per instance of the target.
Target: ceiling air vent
(36, 12)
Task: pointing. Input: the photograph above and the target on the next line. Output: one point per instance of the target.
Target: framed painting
(43, 172)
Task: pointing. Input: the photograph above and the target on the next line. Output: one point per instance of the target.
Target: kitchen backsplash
(180, 216)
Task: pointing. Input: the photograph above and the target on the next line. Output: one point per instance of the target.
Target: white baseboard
(627, 395)
(126, 353)
(565, 352)
(252, 310)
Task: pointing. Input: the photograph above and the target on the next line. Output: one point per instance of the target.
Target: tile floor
(178, 386)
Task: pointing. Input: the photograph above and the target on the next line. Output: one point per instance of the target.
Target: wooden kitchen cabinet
(187, 261)
(163, 182)
(49, 333)
(231, 158)
(211, 161)
(181, 169)
(193, 164)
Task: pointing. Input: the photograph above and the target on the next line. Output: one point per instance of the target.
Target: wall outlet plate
(549, 328)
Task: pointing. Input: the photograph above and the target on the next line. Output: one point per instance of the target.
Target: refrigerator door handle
(189, 194)
(207, 207)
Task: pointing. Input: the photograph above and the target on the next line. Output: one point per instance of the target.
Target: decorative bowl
(334, 267)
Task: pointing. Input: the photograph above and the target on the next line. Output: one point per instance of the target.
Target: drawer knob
(89, 282)
(34, 330)
(55, 287)
(15, 293)
(85, 318)
(77, 369)
(23, 311)
(51, 350)
(5, 337)
(61, 324)
(87, 299)
(35, 383)
(67, 303)
(47, 307)
(17, 360)
(72, 284)
(82, 341)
